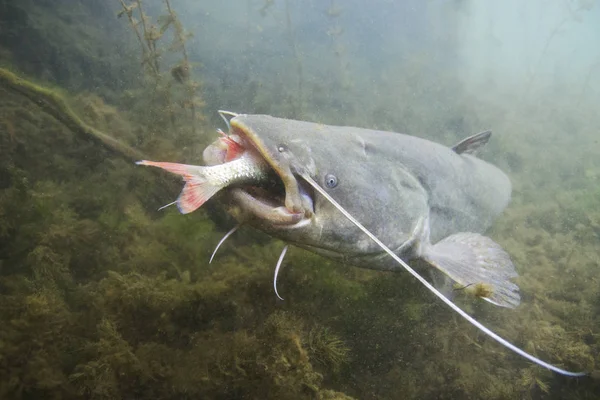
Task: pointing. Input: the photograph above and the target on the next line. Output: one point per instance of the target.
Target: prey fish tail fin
(197, 189)
(478, 264)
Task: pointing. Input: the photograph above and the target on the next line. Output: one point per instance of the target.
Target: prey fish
(375, 199)
(201, 183)
(232, 165)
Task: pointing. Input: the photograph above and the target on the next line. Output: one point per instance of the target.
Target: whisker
(235, 228)
(277, 270)
(167, 205)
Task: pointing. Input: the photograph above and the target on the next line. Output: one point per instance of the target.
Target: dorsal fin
(473, 143)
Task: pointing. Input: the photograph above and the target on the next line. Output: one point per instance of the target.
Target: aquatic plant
(326, 348)
(176, 91)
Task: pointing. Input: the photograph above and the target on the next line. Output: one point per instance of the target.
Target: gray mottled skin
(388, 181)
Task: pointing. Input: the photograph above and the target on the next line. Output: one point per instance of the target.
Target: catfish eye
(281, 148)
(331, 181)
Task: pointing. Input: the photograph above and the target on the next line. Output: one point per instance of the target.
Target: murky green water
(104, 297)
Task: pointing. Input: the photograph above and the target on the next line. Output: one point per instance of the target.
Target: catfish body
(420, 198)
(388, 181)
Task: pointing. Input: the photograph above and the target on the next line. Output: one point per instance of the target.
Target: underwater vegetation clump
(327, 348)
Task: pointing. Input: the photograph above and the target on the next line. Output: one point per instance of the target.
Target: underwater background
(104, 297)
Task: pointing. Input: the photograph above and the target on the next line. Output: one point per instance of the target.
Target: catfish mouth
(283, 201)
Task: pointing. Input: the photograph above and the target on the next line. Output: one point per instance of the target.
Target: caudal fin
(479, 265)
(197, 189)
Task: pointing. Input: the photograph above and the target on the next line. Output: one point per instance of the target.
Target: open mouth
(279, 198)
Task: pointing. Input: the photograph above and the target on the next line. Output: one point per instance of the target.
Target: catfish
(373, 199)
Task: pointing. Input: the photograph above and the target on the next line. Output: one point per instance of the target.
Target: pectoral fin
(478, 264)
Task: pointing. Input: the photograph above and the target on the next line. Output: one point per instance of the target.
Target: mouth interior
(271, 193)
(265, 199)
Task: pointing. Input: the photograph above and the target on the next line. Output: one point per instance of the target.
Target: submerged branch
(53, 104)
